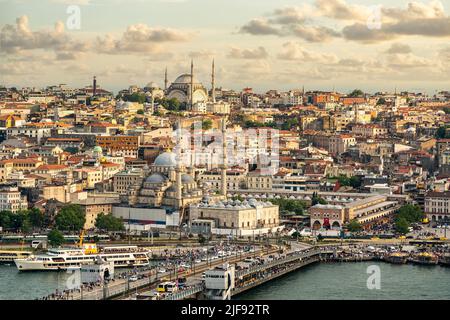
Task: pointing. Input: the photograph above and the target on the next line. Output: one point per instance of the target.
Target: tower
(178, 182)
(192, 83)
(94, 86)
(224, 159)
(165, 80)
(213, 84)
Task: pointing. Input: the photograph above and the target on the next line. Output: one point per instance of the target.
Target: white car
(198, 261)
(162, 270)
(133, 278)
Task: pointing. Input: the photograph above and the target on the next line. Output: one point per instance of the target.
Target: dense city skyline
(276, 45)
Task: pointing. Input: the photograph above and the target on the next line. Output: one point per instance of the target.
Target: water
(349, 281)
(318, 281)
(15, 285)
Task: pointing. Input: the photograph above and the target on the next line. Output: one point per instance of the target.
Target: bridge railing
(292, 257)
(179, 295)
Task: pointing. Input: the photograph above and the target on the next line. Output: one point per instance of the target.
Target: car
(162, 270)
(133, 278)
(198, 261)
(203, 275)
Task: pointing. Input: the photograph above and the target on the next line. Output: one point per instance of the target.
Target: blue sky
(263, 44)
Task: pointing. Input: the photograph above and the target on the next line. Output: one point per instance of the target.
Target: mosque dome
(155, 178)
(167, 159)
(152, 85)
(185, 79)
(186, 178)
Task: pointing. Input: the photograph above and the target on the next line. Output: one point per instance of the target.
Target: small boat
(445, 259)
(397, 257)
(425, 258)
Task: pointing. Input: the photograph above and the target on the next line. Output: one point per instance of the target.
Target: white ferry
(8, 256)
(68, 258)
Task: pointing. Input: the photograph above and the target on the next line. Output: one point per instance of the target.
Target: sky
(264, 44)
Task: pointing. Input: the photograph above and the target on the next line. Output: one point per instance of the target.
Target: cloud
(340, 10)
(315, 34)
(295, 51)
(416, 10)
(398, 48)
(251, 54)
(140, 39)
(17, 38)
(408, 61)
(202, 54)
(259, 27)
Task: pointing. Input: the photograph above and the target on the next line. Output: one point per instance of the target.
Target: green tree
(354, 226)
(402, 225)
(109, 223)
(70, 217)
(36, 217)
(140, 111)
(55, 238)
(6, 219)
(356, 93)
(317, 200)
(381, 101)
(411, 213)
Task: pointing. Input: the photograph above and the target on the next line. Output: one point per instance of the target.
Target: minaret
(94, 86)
(192, 83)
(224, 159)
(165, 80)
(213, 84)
(178, 182)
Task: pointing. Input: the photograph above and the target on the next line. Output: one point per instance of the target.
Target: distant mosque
(187, 89)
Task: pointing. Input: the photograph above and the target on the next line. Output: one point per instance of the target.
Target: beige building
(235, 218)
(366, 211)
(369, 130)
(340, 143)
(11, 199)
(93, 206)
(437, 206)
(124, 180)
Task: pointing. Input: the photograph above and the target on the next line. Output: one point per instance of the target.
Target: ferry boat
(425, 258)
(397, 258)
(8, 256)
(70, 258)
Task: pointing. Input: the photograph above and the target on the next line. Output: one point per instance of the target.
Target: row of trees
(296, 206)
(22, 221)
(353, 181)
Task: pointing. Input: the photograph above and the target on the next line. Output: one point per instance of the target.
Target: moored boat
(8, 256)
(72, 258)
(425, 258)
(397, 257)
(445, 259)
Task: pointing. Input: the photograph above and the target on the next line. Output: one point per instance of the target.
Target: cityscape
(299, 151)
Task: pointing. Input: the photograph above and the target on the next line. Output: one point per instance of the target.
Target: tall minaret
(94, 86)
(178, 182)
(165, 80)
(192, 83)
(224, 159)
(213, 83)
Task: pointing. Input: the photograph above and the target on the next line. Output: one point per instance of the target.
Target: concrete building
(11, 198)
(437, 206)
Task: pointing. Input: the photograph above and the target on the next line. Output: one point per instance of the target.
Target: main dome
(156, 178)
(167, 159)
(185, 78)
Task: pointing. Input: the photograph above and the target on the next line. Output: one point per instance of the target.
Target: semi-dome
(185, 78)
(155, 178)
(168, 159)
(186, 178)
(152, 85)
(98, 149)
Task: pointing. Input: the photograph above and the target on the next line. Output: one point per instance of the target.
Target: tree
(381, 101)
(55, 238)
(109, 223)
(402, 225)
(201, 239)
(140, 111)
(317, 200)
(36, 217)
(6, 219)
(411, 213)
(356, 93)
(70, 217)
(354, 226)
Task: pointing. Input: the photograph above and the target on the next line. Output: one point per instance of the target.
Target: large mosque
(187, 89)
(169, 183)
